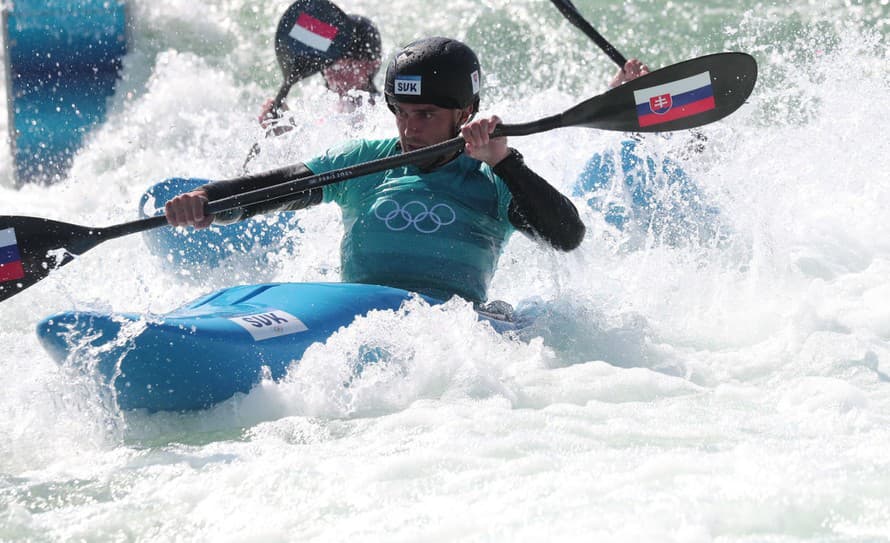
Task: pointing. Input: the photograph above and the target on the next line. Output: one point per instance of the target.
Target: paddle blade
(30, 248)
(311, 35)
(677, 97)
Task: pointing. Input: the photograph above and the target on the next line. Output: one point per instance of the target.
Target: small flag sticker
(675, 100)
(313, 32)
(10, 259)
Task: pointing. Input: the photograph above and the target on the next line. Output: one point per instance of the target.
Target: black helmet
(438, 71)
(365, 43)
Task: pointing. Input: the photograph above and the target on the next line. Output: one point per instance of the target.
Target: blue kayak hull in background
(636, 190)
(63, 60)
(214, 347)
(189, 249)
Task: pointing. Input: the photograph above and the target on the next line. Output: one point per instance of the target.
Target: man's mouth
(413, 145)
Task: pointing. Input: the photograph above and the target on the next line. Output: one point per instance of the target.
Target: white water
(711, 392)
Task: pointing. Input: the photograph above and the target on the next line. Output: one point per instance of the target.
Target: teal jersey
(439, 233)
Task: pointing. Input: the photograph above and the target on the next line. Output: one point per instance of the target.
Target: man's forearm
(232, 187)
(537, 208)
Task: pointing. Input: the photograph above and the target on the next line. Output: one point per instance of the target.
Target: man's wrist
(511, 156)
(507, 154)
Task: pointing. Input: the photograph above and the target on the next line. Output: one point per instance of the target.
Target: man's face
(348, 73)
(422, 125)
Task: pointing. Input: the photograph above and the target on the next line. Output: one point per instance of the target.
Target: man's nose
(411, 125)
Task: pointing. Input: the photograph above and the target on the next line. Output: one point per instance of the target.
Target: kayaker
(351, 76)
(355, 71)
(437, 229)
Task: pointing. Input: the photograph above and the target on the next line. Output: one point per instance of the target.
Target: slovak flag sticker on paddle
(675, 100)
(313, 32)
(10, 259)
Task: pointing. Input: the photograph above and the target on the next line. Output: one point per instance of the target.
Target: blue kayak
(63, 62)
(187, 248)
(633, 188)
(216, 346)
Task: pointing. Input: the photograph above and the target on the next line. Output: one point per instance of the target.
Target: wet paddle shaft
(570, 12)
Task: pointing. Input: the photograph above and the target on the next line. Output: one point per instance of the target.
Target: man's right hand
(268, 115)
(187, 209)
(631, 70)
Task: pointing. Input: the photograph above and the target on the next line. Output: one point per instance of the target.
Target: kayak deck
(214, 347)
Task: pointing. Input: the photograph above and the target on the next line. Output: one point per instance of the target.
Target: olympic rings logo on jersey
(424, 219)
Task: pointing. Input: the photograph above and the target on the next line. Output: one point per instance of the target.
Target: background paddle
(570, 12)
(30, 247)
(311, 35)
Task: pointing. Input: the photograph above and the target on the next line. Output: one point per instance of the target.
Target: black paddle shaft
(570, 12)
(44, 245)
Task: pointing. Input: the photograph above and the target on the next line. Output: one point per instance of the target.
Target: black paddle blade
(30, 248)
(677, 97)
(311, 35)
